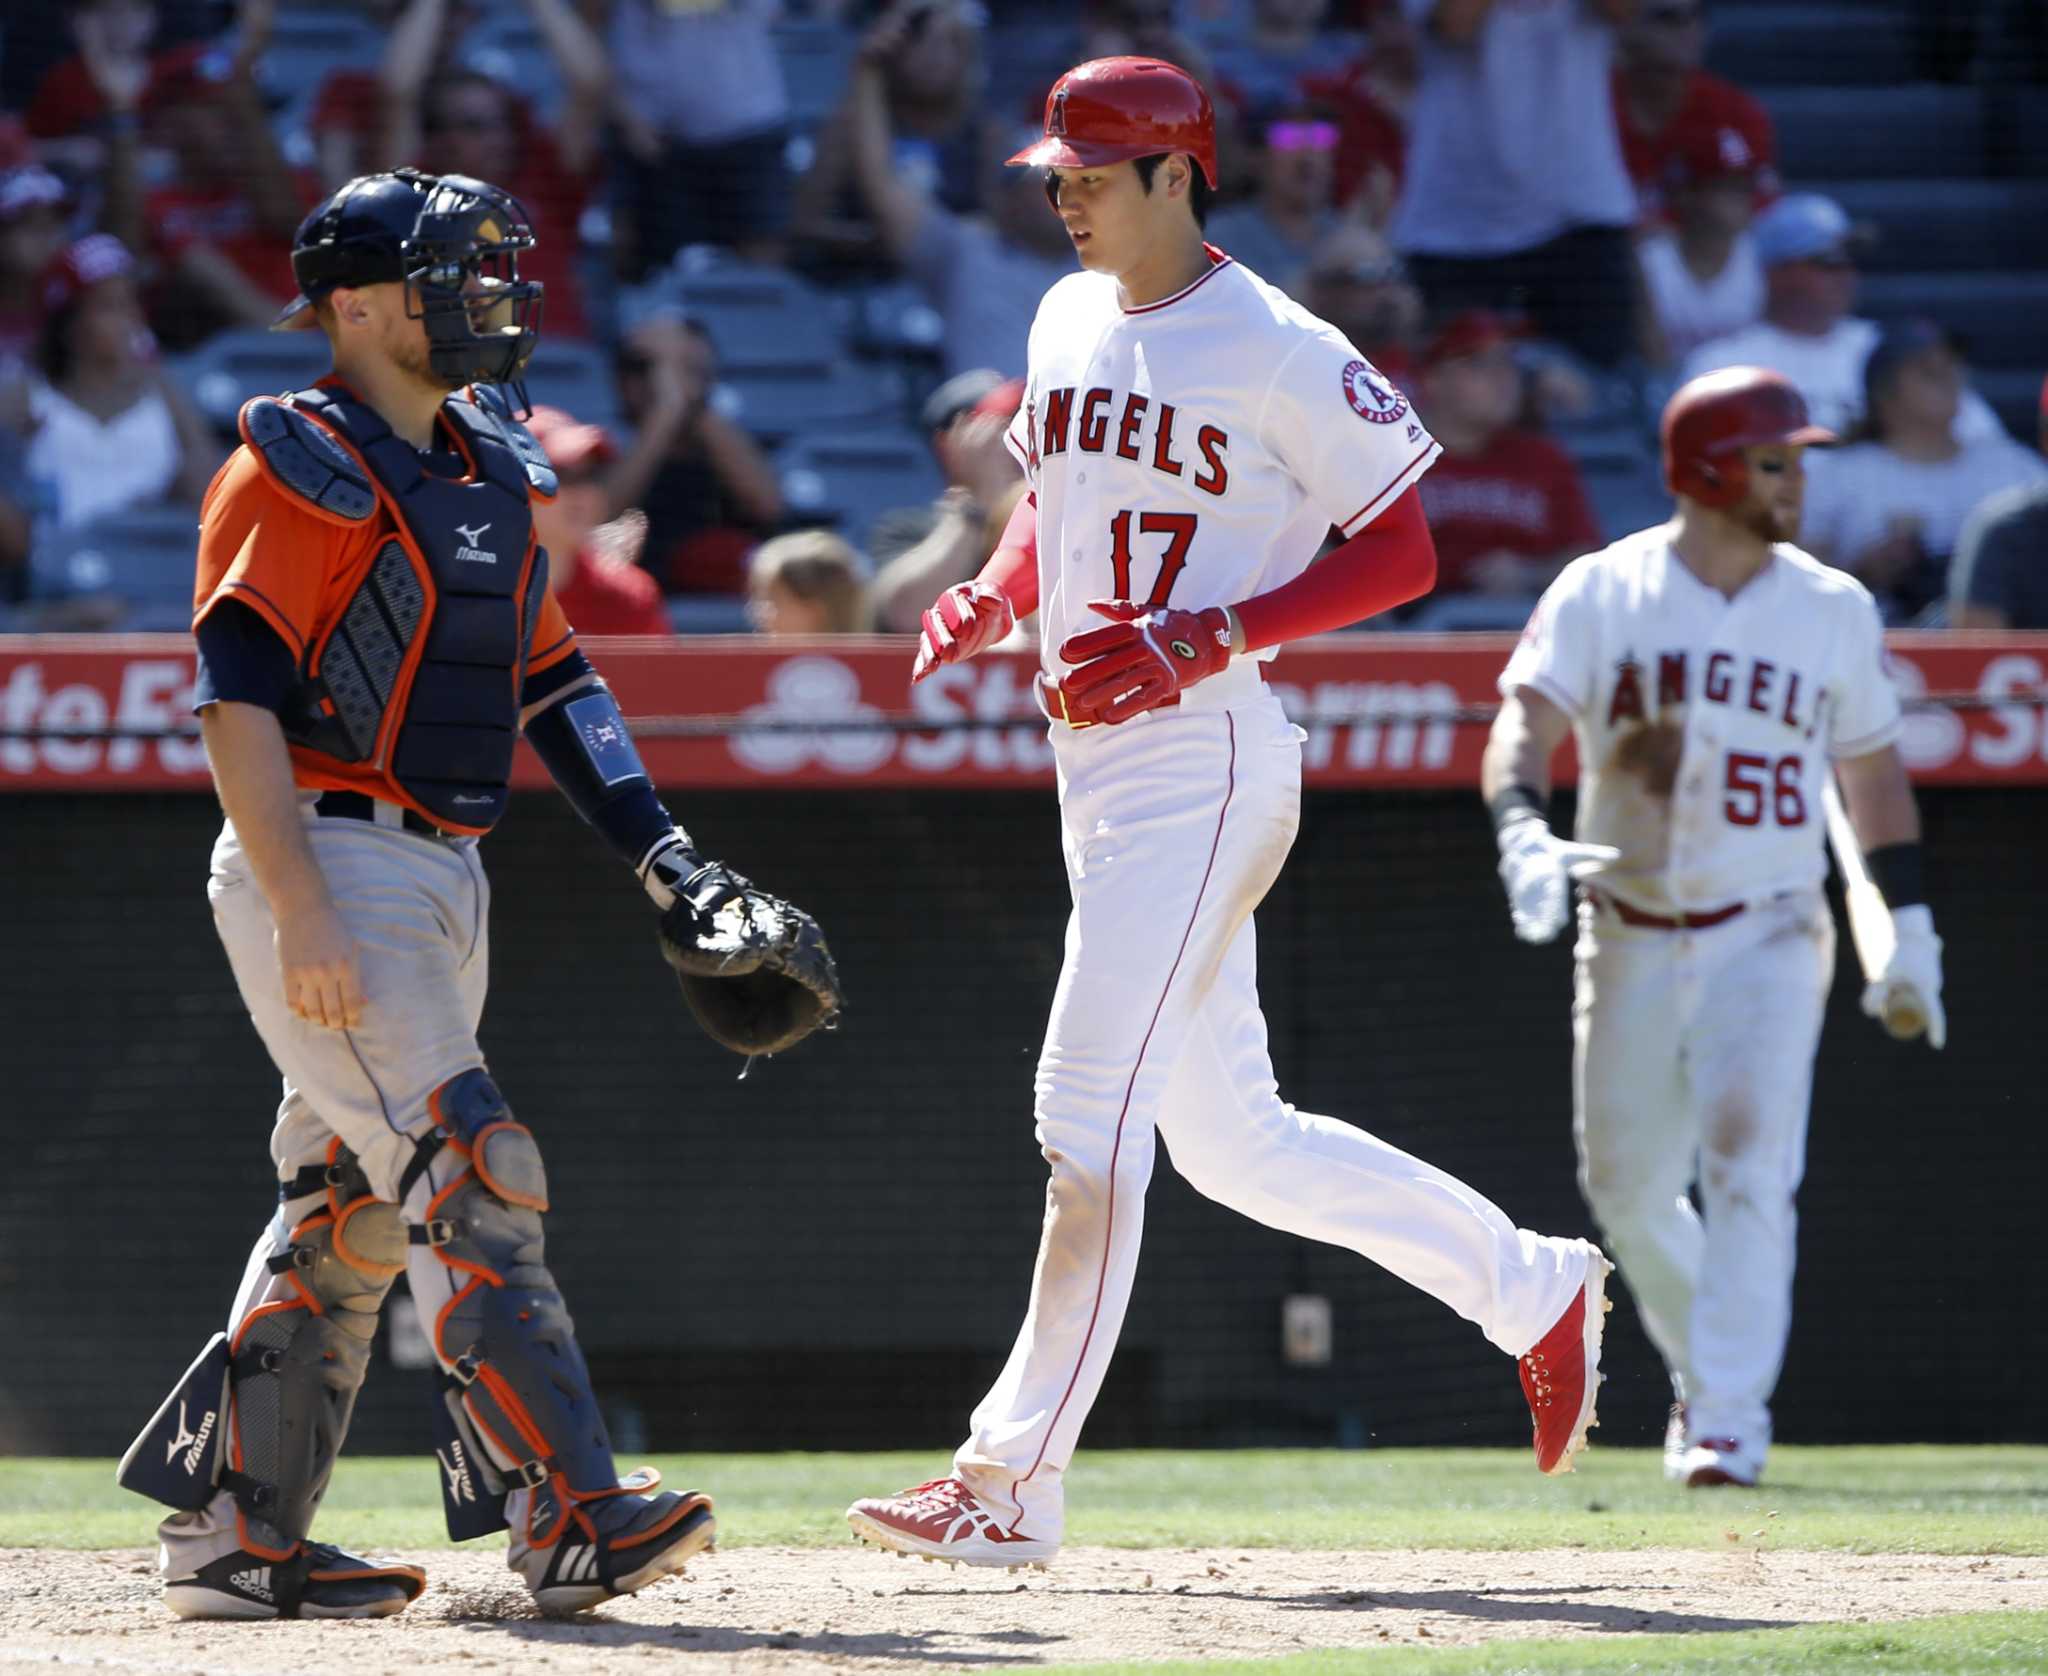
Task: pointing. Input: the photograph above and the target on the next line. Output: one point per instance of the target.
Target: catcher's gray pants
(417, 908)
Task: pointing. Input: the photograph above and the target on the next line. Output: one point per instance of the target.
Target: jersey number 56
(1757, 786)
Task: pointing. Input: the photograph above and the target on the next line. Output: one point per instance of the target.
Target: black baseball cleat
(319, 1581)
(615, 1546)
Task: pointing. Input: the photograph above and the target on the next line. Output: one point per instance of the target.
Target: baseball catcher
(376, 628)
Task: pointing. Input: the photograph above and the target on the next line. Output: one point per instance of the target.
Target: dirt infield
(780, 1611)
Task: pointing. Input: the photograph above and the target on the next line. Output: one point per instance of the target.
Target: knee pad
(517, 1396)
(291, 1367)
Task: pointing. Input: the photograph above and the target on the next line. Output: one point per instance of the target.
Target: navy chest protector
(419, 674)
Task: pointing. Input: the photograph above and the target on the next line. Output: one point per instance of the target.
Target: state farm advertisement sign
(113, 713)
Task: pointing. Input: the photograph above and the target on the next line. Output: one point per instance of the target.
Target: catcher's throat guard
(176, 1458)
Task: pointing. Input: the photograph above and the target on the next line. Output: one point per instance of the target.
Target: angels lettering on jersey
(1644, 690)
(1198, 450)
(1153, 444)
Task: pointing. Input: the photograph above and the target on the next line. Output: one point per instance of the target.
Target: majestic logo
(1056, 118)
(469, 552)
(1371, 399)
(193, 1443)
(461, 1487)
(255, 1581)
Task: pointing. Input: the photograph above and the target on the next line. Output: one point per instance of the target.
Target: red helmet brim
(1053, 152)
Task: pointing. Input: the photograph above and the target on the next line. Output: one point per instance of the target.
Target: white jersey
(1706, 725)
(1196, 451)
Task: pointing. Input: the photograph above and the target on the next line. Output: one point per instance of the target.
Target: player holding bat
(1715, 677)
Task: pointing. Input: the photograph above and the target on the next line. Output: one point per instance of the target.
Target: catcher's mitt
(754, 969)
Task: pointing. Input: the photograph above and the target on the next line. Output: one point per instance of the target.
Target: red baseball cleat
(1561, 1374)
(943, 1520)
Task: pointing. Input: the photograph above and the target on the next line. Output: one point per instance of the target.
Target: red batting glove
(1143, 659)
(967, 618)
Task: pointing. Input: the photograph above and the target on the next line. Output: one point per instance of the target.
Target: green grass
(1892, 1500)
(1968, 1644)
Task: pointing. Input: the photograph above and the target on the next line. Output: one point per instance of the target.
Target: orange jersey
(298, 571)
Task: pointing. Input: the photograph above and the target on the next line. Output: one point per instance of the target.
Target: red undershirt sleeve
(1013, 566)
(1389, 562)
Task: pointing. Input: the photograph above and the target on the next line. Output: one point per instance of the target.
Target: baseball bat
(1870, 921)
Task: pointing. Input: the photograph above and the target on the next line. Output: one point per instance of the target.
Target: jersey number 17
(1179, 530)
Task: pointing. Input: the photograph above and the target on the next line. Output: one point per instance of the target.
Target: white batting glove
(1538, 868)
(1906, 998)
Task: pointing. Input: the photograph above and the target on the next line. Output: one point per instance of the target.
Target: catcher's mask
(454, 243)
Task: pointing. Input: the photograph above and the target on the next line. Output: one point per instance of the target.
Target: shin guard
(521, 1414)
(293, 1366)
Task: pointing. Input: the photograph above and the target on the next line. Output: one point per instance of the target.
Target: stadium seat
(1626, 497)
(1950, 224)
(1851, 133)
(893, 318)
(2023, 116)
(575, 376)
(2015, 396)
(757, 316)
(852, 480)
(1841, 45)
(817, 59)
(709, 614)
(775, 403)
(1999, 316)
(145, 555)
(230, 367)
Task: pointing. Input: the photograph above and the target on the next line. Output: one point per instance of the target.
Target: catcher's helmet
(1110, 110)
(1710, 420)
(453, 242)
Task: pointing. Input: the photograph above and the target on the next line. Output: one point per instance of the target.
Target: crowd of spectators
(1535, 217)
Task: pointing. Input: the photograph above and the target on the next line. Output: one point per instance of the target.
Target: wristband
(1900, 873)
(1517, 802)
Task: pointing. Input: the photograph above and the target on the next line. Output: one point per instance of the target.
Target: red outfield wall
(1381, 710)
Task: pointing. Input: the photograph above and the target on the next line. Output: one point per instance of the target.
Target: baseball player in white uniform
(1714, 677)
(1190, 436)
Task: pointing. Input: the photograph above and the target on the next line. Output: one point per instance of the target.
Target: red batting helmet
(1110, 110)
(1713, 418)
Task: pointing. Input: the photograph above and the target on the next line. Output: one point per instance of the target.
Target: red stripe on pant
(1116, 1146)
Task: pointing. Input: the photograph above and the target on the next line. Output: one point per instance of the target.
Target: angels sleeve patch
(1371, 397)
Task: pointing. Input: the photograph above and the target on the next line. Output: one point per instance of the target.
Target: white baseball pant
(1694, 1060)
(1174, 826)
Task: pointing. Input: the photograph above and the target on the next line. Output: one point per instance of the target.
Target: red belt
(1052, 700)
(1669, 922)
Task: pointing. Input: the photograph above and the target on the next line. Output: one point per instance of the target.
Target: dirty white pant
(418, 909)
(1694, 1060)
(1174, 827)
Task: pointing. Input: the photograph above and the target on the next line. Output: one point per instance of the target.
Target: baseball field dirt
(783, 1610)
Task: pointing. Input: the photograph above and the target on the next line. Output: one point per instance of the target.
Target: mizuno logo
(469, 552)
(460, 1487)
(193, 1443)
(255, 1581)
